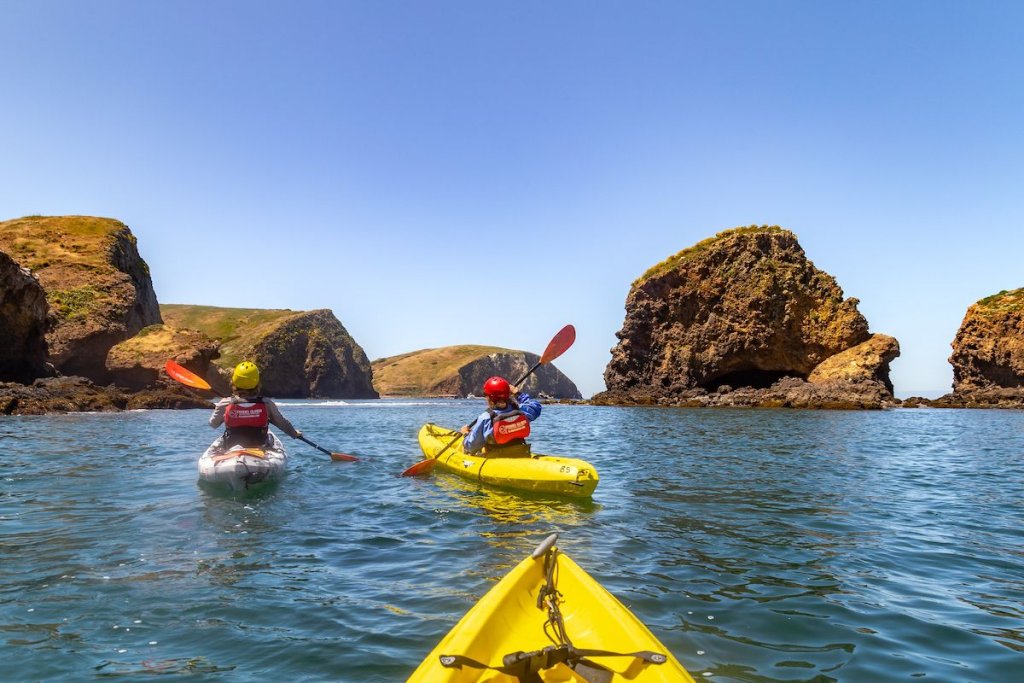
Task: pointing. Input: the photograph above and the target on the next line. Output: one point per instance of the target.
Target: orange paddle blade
(186, 377)
(343, 456)
(559, 344)
(422, 467)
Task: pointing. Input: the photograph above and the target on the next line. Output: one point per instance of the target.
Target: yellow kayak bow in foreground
(539, 473)
(548, 620)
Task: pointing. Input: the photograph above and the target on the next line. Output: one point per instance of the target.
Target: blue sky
(485, 172)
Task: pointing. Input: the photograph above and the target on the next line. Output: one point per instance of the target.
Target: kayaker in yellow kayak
(502, 429)
(246, 415)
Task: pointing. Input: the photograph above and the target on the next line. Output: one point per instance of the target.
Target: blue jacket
(482, 432)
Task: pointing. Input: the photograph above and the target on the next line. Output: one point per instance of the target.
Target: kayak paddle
(334, 456)
(190, 379)
(558, 345)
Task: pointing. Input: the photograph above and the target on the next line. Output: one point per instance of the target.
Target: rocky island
(459, 371)
(745, 319)
(988, 355)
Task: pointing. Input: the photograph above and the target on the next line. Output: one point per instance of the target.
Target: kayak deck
(538, 473)
(242, 469)
(576, 631)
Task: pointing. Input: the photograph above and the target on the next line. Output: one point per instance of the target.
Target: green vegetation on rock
(235, 328)
(64, 251)
(74, 303)
(690, 252)
(1002, 302)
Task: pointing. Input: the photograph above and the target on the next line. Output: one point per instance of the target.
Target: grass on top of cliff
(71, 256)
(156, 341)
(228, 325)
(38, 242)
(415, 372)
(704, 245)
(1004, 301)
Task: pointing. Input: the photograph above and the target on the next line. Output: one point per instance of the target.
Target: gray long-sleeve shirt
(273, 414)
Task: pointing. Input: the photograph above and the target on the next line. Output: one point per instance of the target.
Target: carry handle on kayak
(558, 345)
(545, 546)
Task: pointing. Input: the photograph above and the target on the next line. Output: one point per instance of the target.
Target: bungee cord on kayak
(503, 616)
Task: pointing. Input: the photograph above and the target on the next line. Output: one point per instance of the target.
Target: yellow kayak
(548, 620)
(540, 473)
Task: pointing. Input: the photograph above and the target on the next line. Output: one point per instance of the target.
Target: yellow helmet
(246, 375)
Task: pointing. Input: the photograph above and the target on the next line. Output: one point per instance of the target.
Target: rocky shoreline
(741, 319)
(80, 395)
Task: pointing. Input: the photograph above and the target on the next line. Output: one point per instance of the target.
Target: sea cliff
(744, 318)
(988, 355)
(81, 329)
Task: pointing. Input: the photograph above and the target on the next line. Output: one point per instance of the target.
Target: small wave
(366, 404)
(400, 404)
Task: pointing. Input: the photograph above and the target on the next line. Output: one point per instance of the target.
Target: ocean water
(758, 545)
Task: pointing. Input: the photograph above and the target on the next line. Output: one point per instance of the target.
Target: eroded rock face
(988, 350)
(547, 381)
(301, 354)
(312, 355)
(97, 286)
(743, 309)
(23, 323)
(988, 356)
(865, 362)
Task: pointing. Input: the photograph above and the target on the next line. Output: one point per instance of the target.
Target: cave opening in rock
(750, 377)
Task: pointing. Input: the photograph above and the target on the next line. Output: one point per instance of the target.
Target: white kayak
(240, 469)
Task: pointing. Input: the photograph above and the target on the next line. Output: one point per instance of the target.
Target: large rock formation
(461, 371)
(745, 309)
(23, 323)
(300, 353)
(988, 351)
(97, 286)
(988, 355)
(865, 362)
(137, 363)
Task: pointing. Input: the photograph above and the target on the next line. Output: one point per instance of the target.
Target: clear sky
(485, 172)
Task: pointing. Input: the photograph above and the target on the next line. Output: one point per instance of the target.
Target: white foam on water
(367, 404)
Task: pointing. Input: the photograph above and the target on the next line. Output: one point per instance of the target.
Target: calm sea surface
(758, 545)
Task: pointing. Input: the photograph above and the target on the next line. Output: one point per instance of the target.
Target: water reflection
(524, 511)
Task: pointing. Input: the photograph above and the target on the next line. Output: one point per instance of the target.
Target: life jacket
(246, 424)
(509, 431)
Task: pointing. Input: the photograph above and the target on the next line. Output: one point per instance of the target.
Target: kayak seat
(519, 449)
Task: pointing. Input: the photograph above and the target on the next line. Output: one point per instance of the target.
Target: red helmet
(497, 387)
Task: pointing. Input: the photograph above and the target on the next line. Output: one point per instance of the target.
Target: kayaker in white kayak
(502, 429)
(246, 415)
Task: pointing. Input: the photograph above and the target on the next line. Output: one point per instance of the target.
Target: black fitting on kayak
(525, 666)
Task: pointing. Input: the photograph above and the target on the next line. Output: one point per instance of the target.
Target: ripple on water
(758, 545)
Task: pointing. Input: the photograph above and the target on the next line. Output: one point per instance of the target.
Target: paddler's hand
(298, 434)
(513, 391)
(464, 429)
